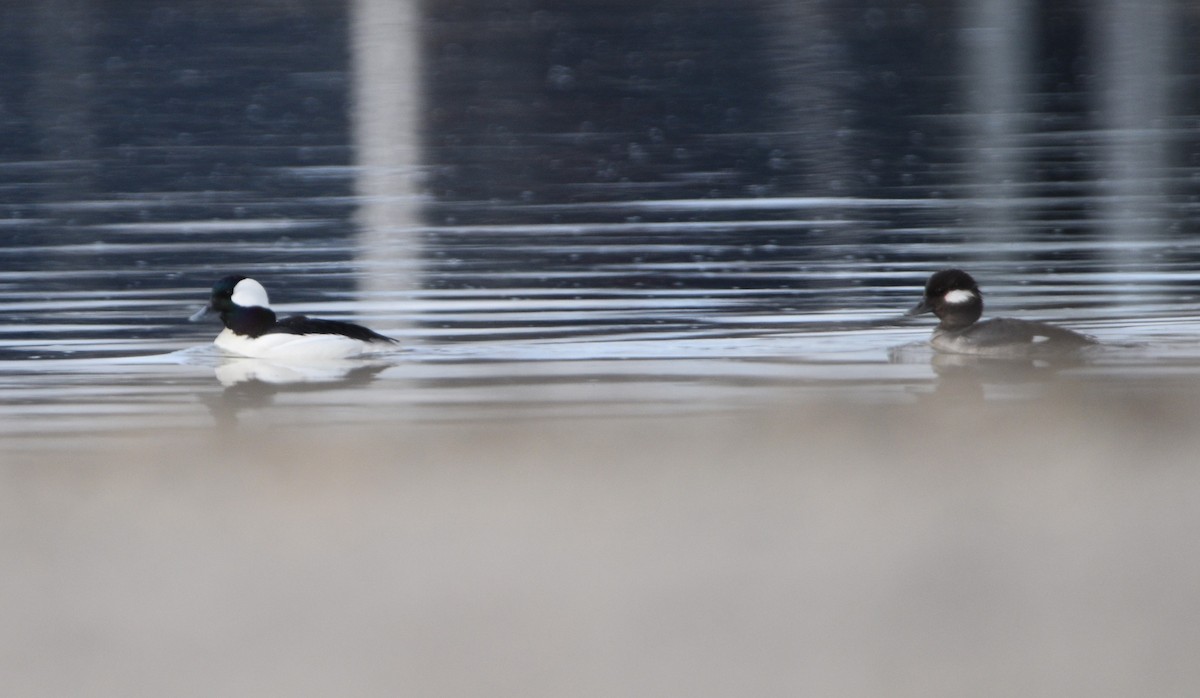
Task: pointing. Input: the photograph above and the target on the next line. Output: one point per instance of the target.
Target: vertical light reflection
(386, 118)
(807, 59)
(998, 54)
(63, 91)
(1135, 62)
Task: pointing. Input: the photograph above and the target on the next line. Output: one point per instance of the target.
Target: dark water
(713, 185)
(674, 239)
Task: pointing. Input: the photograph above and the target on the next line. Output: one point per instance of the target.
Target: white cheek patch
(249, 293)
(954, 297)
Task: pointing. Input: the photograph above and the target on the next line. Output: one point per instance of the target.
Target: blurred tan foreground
(1023, 548)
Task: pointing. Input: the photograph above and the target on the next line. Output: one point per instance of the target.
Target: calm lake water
(648, 262)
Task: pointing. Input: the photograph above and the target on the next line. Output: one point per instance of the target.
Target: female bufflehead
(951, 295)
(252, 330)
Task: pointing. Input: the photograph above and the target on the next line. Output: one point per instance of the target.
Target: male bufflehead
(951, 295)
(252, 330)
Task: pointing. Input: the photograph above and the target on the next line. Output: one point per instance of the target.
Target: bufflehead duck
(251, 328)
(953, 296)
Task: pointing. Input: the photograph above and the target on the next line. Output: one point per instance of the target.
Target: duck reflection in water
(255, 383)
(971, 354)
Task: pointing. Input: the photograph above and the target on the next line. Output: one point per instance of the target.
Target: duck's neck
(251, 322)
(960, 316)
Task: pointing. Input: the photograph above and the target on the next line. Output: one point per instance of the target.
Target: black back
(300, 324)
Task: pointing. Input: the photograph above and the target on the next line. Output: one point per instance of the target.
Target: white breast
(955, 343)
(296, 347)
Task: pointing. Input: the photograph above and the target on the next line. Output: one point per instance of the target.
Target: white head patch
(249, 293)
(954, 297)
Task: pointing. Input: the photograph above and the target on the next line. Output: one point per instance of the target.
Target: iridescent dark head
(232, 292)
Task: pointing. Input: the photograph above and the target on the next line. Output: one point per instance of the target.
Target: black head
(222, 293)
(953, 296)
(249, 314)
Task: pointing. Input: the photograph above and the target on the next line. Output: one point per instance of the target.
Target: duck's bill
(201, 314)
(920, 308)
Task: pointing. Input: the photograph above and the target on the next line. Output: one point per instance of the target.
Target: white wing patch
(954, 297)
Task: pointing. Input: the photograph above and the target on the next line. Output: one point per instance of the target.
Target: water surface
(659, 426)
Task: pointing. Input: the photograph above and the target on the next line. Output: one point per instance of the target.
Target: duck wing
(999, 331)
(301, 324)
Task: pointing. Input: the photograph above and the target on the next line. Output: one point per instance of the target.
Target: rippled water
(665, 304)
(643, 218)
(658, 426)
